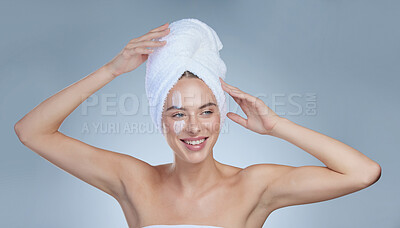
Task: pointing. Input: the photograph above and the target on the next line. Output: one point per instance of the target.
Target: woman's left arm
(347, 169)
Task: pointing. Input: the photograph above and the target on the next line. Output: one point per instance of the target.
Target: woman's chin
(193, 153)
(194, 156)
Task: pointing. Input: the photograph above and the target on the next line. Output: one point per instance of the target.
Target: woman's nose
(193, 125)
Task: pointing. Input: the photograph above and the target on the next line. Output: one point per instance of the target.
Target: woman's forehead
(190, 92)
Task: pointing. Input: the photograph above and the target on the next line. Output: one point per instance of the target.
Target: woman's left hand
(260, 118)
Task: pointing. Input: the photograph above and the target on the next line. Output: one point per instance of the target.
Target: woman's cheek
(178, 126)
(165, 128)
(168, 127)
(211, 123)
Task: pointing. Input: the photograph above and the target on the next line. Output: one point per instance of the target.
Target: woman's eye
(177, 115)
(208, 112)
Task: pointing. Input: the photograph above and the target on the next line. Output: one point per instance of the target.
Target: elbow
(372, 175)
(18, 129)
(26, 134)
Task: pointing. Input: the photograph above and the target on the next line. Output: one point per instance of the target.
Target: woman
(195, 188)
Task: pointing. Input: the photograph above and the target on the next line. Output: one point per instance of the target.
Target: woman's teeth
(195, 142)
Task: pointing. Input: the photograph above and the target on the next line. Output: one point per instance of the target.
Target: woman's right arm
(103, 169)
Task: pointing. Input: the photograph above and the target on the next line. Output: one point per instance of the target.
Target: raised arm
(38, 130)
(347, 170)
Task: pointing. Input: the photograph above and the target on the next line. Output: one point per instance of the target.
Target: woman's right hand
(135, 52)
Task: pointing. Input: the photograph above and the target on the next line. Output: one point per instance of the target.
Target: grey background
(346, 53)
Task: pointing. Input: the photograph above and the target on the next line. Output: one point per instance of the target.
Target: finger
(233, 90)
(237, 119)
(226, 84)
(223, 83)
(240, 99)
(147, 43)
(152, 35)
(247, 98)
(237, 93)
(246, 101)
(144, 50)
(160, 28)
(243, 105)
(140, 50)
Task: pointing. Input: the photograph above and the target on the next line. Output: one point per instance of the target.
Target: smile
(195, 145)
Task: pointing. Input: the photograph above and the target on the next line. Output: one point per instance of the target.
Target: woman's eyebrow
(181, 108)
(206, 105)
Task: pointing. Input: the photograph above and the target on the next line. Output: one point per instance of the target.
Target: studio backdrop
(332, 66)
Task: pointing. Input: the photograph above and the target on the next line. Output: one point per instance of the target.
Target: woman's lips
(195, 147)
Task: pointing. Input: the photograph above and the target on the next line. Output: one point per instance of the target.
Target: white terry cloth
(180, 226)
(191, 45)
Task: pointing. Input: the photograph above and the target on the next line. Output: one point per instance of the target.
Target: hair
(188, 74)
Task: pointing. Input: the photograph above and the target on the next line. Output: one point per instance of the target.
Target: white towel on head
(191, 45)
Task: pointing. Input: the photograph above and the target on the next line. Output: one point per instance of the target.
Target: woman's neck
(194, 178)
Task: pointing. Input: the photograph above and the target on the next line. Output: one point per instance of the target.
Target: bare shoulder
(137, 172)
(140, 169)
(229, 170)
(266, 171)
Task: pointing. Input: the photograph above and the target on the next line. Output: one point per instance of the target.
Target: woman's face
(191, 120)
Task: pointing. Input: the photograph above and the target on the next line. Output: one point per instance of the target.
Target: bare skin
(195, 188)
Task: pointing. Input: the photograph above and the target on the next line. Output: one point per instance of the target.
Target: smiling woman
(191, 123)
(187, 100)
